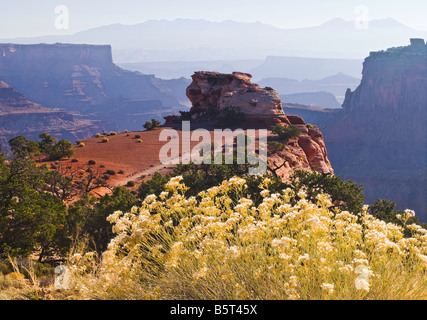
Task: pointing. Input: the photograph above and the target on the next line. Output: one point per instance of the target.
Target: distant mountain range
(194, 40)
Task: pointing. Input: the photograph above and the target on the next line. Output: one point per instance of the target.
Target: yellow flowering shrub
(218, 245)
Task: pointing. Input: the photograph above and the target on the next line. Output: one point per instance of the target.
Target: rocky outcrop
(210, 92)
(84, 79)
(380, 138)
(307, 152)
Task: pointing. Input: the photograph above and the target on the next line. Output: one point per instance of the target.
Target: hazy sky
(25, 18)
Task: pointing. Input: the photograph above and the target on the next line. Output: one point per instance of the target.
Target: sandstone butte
(210, 92)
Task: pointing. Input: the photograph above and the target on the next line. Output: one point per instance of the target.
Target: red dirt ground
(124, 153)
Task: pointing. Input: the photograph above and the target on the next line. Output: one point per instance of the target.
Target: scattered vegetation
(202, 232)
(287, 133)
(274, 147)
(154, 124)
(131, 184)
(222, 245)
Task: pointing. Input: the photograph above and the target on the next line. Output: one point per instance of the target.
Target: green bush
(231, 116)
(131, 184)
(274, 146)
(286, 133)
(154, 124)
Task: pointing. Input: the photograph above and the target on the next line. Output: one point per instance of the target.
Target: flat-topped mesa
(210, 92)
(394, 83)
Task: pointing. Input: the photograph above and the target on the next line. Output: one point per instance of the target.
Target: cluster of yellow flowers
(222, 246)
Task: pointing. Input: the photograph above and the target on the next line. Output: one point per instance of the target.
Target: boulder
(210, 92)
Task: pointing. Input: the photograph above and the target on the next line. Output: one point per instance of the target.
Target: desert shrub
(105, 140)
(91, 162)
(131, 184)
(137, 136)
(345, 195)
(154, 124)
(87, 217)
(111, 172)
(15, 276)
(112, 133)
(286, 133)
(120, 172)
(74, 160)
(81, 144)
(155, 185)
(5, 268)
(220, 245)
(139, 141)
(274, 146)
(231, 116)
(98, 135)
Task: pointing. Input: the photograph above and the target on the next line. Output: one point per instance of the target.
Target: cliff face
(380, 138)
(394, 82)
(19, 116)
(83, 78)
(210, 92)
(307, 152)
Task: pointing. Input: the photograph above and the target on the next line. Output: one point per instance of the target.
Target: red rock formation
(210, 92)
(307, 152)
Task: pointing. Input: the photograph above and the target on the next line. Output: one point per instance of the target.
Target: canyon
(19, 116)
(83, 80)
(379, 137)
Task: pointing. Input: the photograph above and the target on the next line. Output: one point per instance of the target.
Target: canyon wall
(380, 138)
(19, 116)
(83, 79)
